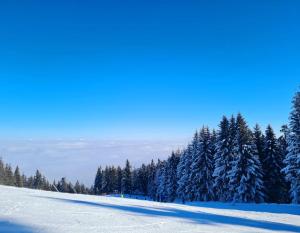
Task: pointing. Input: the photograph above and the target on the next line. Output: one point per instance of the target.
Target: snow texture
(30, 211)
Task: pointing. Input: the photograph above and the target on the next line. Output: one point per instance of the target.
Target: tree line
(13, 177)
(233, 164)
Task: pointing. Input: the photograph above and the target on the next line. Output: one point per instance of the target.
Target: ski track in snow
(32, 211)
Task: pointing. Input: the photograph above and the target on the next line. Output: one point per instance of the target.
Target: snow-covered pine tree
(135, 182)
(283, 150)
(259, 141)
(194, 154)
(37, 180)
(213, 142)
(119, 179)
(143, 179)
(171, 178)
(2, 172)
(98, 181)
(272, 164)
(283, 141)
(139, 180)
(245, 177)
(223, 159)
(9, 176)
(77, 187)
(183, 173)
(292, 160)
(62, 185)
(151, 187)
(127, 179)
(18, 178)
(161, 181)
(202, 168)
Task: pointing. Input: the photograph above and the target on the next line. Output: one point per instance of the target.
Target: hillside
(29, 211)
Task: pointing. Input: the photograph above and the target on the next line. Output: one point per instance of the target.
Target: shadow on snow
(262, 208)
(196, 217)
(9, 227)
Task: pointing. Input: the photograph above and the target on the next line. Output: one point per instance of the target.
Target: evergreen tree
(77, 187)
(272, 164)
(127, 179)
(63, 186)
(201, 176)
(106, 182)
(135, 182)
(9, 176)
(17, 177)
(259, 141)
(98, 182)
(283, 149)
(161, 181)
(183, 172)
(292, 160)
(245, 177)
(38, 180)
(151, 187)
(190, 190)
(283, 141)
(142, 179)
(223, 161)
(30, 182)
(171, 178)
(2, 172)
(119, 179)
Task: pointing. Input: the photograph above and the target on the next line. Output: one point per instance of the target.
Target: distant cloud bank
(79, 159)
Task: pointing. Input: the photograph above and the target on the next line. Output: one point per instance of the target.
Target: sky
(142, 70)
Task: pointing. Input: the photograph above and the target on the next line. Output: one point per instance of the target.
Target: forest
(233, 163)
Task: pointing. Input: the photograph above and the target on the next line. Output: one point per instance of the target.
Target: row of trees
(233, 164)
(11, 177)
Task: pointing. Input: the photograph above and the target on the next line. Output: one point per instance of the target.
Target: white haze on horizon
(79, 159)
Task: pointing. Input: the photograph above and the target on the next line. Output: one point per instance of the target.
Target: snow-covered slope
(29, 211)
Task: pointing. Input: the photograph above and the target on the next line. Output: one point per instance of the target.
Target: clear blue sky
(144, 69)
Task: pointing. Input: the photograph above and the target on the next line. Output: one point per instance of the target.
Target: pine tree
(119, 179)
(98, 182)
(161, 181)
(17, 177)
(171, 178)
(62, 186)
(127, 179)
(2, 172)
(223, 161)
(259, 141)
(142, 179)
(183, 173)
(283, 150)
(292, 160)
(245, 177)
(77, 187)
(9, 176)
(273, 178)
(202, 168)
(37, 180)
(151, 187)
(194, 155)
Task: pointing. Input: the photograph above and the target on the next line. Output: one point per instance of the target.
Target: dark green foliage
(127, 179)
(18, 178)
(98, 182)
(272, 166)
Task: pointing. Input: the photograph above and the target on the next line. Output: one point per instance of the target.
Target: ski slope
(29, 211)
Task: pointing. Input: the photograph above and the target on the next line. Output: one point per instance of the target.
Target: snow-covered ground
(29, 211)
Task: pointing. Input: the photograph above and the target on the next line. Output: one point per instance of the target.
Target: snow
(30, 211)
